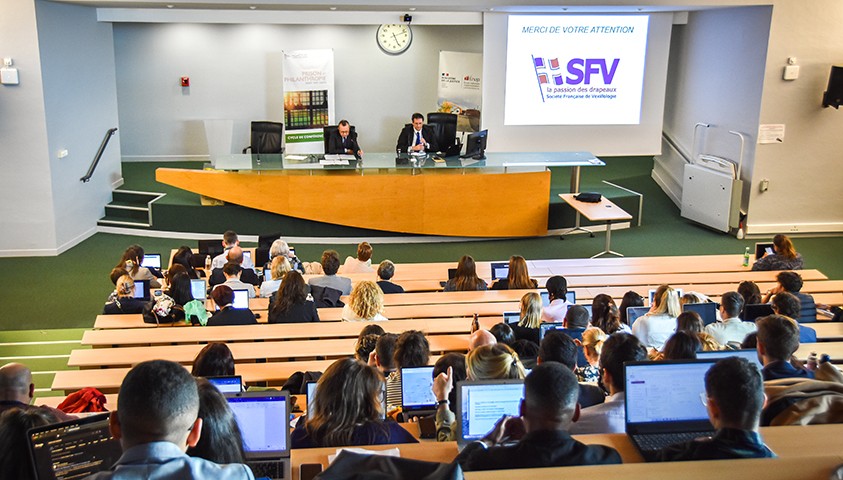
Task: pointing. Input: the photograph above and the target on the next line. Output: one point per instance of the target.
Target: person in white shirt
(557, 289)
(361, 264)
(229, 240)
(610, 416)
(655, 327)
(730, 328)
(232, 272)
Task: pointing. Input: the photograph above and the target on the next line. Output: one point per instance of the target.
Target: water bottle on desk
(746, 257)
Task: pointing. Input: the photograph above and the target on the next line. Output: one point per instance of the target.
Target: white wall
(235, 73)
(641, 139)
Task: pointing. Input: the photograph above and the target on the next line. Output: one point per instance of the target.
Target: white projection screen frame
(642, 138)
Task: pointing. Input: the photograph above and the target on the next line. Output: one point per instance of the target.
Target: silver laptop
(664, 404)
(264, 421)
(198, 289)
(151, 260)
(481, 403)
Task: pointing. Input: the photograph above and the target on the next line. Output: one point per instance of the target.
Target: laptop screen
(417, 388)
(762, 248)
(241, 299)
(452, 272)
(588, 309)
(545, 298)
(707, 311)
(511, 318)
(263, 420)
(546, 327)
(480, 404)
(142, 290)
(632, 313)
(653, 294)
(311, 393)
(750, 354)
(227, 384)
(754, 311)
(73, 449)
(665, 392)
(151, 260)
(247, 256)
(197, 288)
(499, 270)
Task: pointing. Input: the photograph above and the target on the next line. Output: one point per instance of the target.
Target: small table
(603, 211)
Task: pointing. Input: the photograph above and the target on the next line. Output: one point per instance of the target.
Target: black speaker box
(833, 97)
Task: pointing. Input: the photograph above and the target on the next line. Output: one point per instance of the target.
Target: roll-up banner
(460, 87)
(308, 99)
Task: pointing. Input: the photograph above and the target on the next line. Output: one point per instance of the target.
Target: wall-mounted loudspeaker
(833, 97)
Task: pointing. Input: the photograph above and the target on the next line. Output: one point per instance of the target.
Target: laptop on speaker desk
(264, 421)
(664, 404)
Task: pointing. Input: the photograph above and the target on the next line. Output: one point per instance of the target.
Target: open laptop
(632, 313)
(750, 354)
(151, 260)
(499, 270)
(241, 299)
(511, 318)
(73, 449)
(264, 421)
(452, 272)
(142, 290)
(210, 247)
(570, 297)
(546, 327)
(247, 256)
(198, 289)
(707, 311)
(664, 404)
(417, 398)
(587, 309)
(228, 383)
(481, 403)
(762, 248)
(678, 291)
(754, 311)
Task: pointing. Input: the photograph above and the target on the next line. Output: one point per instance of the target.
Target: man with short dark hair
(558, 347)
(791, 282)
(231, 272)
(386, 270)
(343, 140)
(417, 137)
(548, 408)
(229, 240)
(576, 321)
(610, 416)
(411, 350)
(156, 422)
(734, 399)
(778, 339)
(330, 265)
(730, 328)
(787, 304)
(557, 291)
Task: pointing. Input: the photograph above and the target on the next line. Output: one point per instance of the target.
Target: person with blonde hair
(362, 263)
(657, 325)
(466, 277)
(125, 301)
(518, 276)
(784, 256)
(279, 266)
(531, 318)
(592, 345)
(347, 410)
(364, 304)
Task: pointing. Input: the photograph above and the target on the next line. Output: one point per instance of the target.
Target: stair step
(131, 214)
(129, 205)
(109, 222)
(134, 197)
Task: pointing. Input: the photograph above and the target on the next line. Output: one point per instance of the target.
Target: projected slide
(575, 69)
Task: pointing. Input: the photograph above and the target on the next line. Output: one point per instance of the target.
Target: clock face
(394, 38)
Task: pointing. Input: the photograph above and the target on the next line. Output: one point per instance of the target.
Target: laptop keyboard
(658, 441)
(270, 469)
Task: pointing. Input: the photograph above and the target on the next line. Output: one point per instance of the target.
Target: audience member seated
(411, 350)
(527, 351)
(606, 316)
(364, 349)
(214, 360)
(784, 256)
(361, 264)
(115, 275)
(787, 304)
(365, 304)
(610, 416)
(592, 345)
(692, 323)
(131, 261)
(245, 275)
(383, 358)
(221, 440)
(734, 399)
(223, 296)
(479, 338)
(229, 241)
(279, 248)
(184, 257)
(487, 362)
(452, 364)
(279, 266)
(559, 347)
(518, 276)
(347, 411)
(330, 264)
(503, 333)
(232, 271)
(657, 325)
(178, 294)
(125, 301)
(791, 282)
(575, 323)
(14, 444)
(547, 411)
(750, 292)
(730, 328)
(630, 299)
(557, 289)
(750, 342)
(157, 421)
(680, 346)
(466, 278)
(531, 318)
(386, 270)
(291, 304)
(17, 390)
(778, 339)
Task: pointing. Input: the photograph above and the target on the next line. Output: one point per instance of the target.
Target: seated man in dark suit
(247, 275)
(548, 408)
(576, 321)
(223, 296)
(791, 282)
(559, 347)
(344, 141)
(385, 272)
(778, 338)
(417, 137)
(735, 397)
(787, 304)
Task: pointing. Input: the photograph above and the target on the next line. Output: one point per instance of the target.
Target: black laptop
(754, 311)
(707, 311)
(73, 449)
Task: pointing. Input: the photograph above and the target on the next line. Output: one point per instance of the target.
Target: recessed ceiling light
(252, 7)
(170, 6)
(333, 8)
(412, 9)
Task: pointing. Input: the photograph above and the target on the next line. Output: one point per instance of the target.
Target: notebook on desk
(263, 418)
(73, 449)
(664, 404)
(481, 403)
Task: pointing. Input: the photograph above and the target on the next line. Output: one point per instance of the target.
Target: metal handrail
(97, 157)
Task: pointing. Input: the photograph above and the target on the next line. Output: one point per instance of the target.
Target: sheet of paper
(392, 452)
(295, 157)
(771, 133)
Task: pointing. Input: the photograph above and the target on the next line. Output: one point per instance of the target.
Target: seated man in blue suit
(344, 141)
(417, 137)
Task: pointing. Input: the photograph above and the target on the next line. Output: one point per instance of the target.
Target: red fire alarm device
(185, 81)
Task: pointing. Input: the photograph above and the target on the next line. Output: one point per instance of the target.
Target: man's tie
(343, 141)
(418, 138)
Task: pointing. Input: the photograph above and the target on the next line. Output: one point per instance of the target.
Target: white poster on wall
(459, 89)
(308, 99)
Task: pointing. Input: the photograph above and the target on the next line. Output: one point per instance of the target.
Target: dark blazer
(247, 275)
(728, 443)
(124, 305)
(543, 448)
(298, 313)
(335, 143)
(389, 287)
(407, 138)
(232, 316)
(524, 333)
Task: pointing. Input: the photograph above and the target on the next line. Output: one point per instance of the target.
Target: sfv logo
(579, 71)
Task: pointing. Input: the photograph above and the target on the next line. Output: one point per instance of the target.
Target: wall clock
(394, 38)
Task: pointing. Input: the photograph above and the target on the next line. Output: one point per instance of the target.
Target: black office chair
(445, 127)
(267, 137)
(326, 134)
